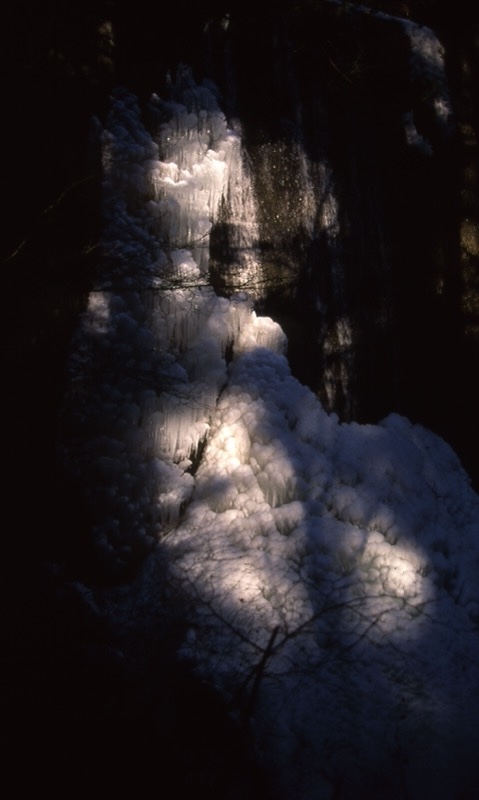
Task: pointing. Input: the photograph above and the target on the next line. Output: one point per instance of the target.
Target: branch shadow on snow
(320, 575)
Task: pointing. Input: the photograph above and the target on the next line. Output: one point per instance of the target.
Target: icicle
(262, 332)
(428, 73)
(337, 350)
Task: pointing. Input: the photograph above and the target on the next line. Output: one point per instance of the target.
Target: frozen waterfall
(331, 566)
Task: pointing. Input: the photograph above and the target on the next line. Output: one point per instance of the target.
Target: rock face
(367, 209)
(353, 145)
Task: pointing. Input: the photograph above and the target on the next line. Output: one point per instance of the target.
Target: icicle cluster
(357, 546)
(150, 355)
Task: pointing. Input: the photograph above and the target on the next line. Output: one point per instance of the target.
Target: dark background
(73, 720)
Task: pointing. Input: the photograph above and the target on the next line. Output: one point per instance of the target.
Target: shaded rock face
(353, 169)
(365, 210)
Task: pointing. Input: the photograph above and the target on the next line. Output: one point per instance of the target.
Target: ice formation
(358, 546)
(331, 566)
